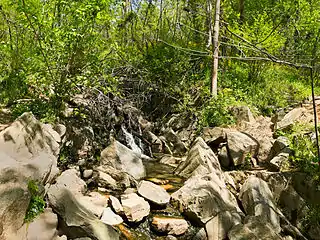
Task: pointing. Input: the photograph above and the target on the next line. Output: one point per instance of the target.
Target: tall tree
(215, 44)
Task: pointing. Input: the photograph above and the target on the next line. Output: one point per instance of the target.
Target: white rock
(115, 204)
(135, 207)
(110, 218)
(154, 193)
(174, 226)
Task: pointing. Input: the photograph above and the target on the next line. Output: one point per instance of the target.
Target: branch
(269, 56)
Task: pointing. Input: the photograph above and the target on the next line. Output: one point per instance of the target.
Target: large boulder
(28, 152)
(46, 224)
(257, 200)
(124, 159)
(241, 146)
(77, 220)
(254, 229)
(204, 197)
(200, 160)
(261, 131)
(218, 227)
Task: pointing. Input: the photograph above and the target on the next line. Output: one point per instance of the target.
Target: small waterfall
(130, 141)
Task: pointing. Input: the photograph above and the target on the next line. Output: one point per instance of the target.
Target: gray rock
(27, 152)
(243, 114)
(95, 203)
(110, 218)
(218, 227)
(156, 143)
(200, 160)
(223, 157)
(253, 229)
(135, 208)
(82, 162)
(170, 160)
(214, 136)
(280, 162)
(76, 219)
(290, 118)
(169, 225)
(87, 173)
(257, 200)
(114, 179)
(281, 145)
(177, 145)
(201, 235)
(204, 197)
(153, 193)
(124, 159)
(46, 224)
(240, 146)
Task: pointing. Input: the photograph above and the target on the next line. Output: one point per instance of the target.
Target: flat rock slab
(110, 218)
(115, 204)
(153, 193)
(135, 207)
(174, 226)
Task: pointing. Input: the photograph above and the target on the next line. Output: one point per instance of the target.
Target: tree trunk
(209, 14)
(215, 51)
(241, 11)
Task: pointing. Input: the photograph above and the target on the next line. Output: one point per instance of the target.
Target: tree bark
(216, 29)
(209, 14)
(241, 11)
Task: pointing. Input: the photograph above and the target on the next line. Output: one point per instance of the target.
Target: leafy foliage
(36, 205)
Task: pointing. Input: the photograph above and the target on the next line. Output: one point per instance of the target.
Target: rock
(76, 220)
(201, 235)
(114, 179)
(218, 227)
(116, 205)
(243, 114)
(87, 173)
(124, 159)
(290, 118)
(240, 146)
(166, 147)
(169, 225)
(257, 200)
(200, 160)
(26, 138)
(82, 162)
(60, 129)
(204, 197)
(281, 145)
(293, 206)
(110, 218)
(214, 136)
(95, 203)
(280, 162)
(46, 224)
(135, 208)
(224, 158)
(156, 143)
(28, 152)
(261, 131)
(153, 193)
(179, 121)
(170, 160)
(253, 229)
(105, 180)
(176, 143)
